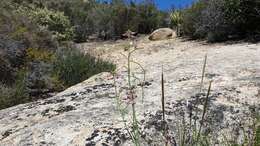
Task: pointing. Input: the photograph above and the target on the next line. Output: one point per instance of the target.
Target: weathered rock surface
(86, 114)
(162, 34)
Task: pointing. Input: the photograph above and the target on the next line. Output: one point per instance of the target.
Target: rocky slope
(86, 114)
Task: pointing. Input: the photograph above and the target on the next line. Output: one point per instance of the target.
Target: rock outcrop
(162, 34)
(86, 114)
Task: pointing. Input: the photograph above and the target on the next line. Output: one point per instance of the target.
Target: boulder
(162, 34)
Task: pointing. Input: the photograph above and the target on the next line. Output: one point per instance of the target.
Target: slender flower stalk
(163, 97)
(201, 86)
(203, 72)
(205, 108)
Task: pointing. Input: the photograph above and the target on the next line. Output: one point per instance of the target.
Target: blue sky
(167, 4)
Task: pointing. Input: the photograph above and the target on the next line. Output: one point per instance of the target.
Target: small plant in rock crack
(165, 130)
(130, 99)
(188, 134)
(196, 134)
(168, 140)
(197, 99)
(256, 137)
(205, 108)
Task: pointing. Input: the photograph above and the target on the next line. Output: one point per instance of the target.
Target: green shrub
(108, 20)
(16, 25)
(176, 18)
(257, 138)
(28, 36)
(257, 131)
(15, 94)
(56, 22)
(220, 20)
(20, 93)
(72, 66)
(191, 17)
(5, 96)
(176, 21)
(19, 32)
(33, 54)
(149, 17)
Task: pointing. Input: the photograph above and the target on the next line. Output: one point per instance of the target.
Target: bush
(72, 66)
(23, 71)
(47, 72)
(5, 96)
(191, 17)
(220, 20)
(257, 136)
(16, 26)
(56, 22)
(176, 18)
(30, 68)
(107, 20)
(15, 94)
(33, 54)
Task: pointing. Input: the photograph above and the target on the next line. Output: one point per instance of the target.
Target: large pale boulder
(162, 34)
